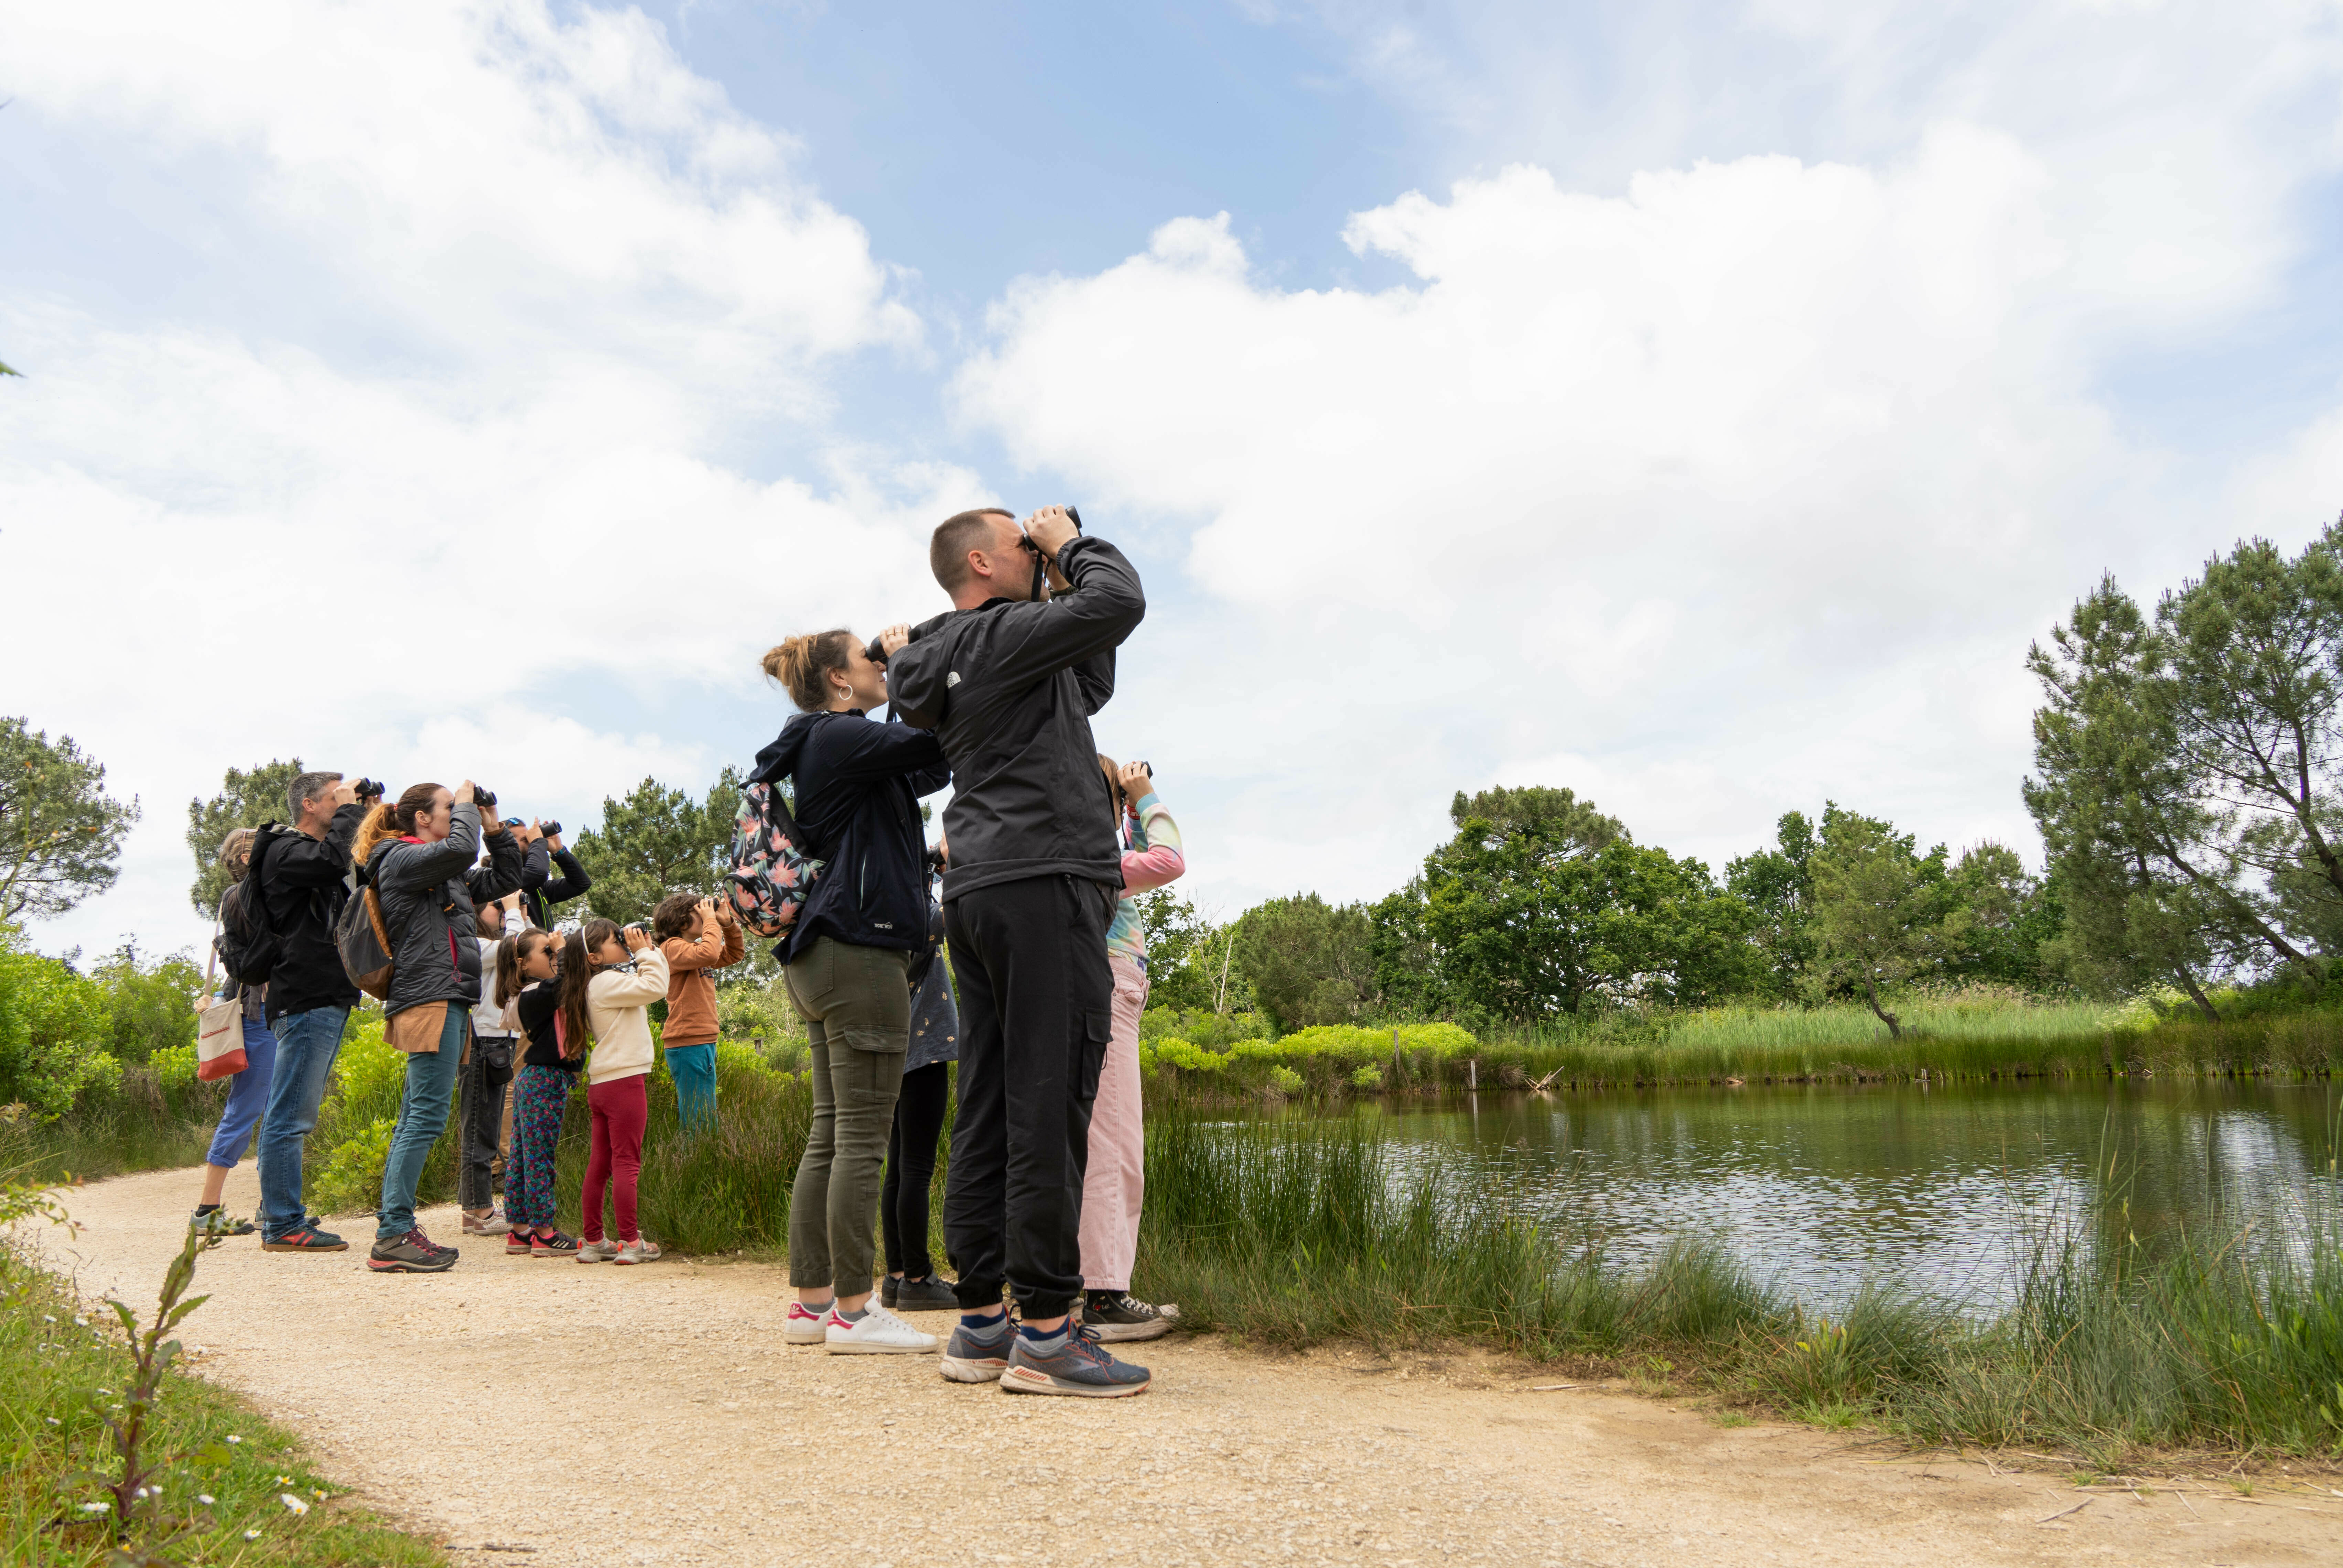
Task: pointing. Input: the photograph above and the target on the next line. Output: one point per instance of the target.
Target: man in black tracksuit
(1009, 682)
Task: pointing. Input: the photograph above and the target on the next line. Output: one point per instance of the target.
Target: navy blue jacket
(858, 786)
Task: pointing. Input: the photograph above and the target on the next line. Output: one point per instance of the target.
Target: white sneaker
(491, 1223)
(597, 1252)
(804, 1326)
(878, 1332)
(637, 1252)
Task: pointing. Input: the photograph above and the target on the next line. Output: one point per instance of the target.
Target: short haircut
(673, 918)
(954, 538)
(307, 787)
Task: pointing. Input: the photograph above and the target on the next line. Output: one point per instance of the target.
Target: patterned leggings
(540, 1095)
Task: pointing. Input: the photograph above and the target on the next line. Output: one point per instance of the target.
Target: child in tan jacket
(695, 935)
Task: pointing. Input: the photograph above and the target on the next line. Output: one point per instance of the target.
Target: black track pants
(1035, 999)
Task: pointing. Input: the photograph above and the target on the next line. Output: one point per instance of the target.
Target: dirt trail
(617, 1416)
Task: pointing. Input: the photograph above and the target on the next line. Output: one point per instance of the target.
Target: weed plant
(64, 1370)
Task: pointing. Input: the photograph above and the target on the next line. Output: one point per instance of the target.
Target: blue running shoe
(969, 1359)
(1080, 1368)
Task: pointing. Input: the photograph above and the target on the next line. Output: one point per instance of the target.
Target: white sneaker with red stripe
(804, 1326)
(877, 1332)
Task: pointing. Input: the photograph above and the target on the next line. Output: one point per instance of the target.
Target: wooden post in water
(1473, 1073)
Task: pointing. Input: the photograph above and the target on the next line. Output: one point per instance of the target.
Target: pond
(1817, 1188)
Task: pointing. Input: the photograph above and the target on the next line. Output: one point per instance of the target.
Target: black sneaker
(925, 1295)
(1079, 1367)
(1124, 1317)
(413, 1254)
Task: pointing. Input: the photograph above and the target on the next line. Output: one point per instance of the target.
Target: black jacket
(304, 883)
(429, 893)
(857, 798)
(1008, 688)
(537, 889)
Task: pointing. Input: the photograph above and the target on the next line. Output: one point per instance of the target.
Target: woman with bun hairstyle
(849, 953)
(599, 996)
(417, 856)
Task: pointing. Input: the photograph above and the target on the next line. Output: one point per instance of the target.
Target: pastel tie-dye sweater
(1152, 859)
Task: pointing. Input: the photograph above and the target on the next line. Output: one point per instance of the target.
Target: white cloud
(1744, 488)
(466, 556)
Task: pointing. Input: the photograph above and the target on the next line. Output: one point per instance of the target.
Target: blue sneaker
(969, 1359)
(1080, 1368)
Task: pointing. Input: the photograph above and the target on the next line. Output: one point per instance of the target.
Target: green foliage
(1525, 926)
(1212, 1031)
(202, 1440)
(60, 832)
(2187, 772)
(1883, 913)
(54, 1032)
(1778, 886)
(153, 1004)
(658, 842)
(1285, 1081)
(1306, 960)
(1183, 952)
(246, 800)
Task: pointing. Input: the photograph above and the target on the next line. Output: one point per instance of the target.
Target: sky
(1701, 407)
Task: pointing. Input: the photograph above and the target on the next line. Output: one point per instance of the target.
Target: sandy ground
(597, 1415)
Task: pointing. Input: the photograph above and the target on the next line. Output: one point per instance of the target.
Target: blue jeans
(307, 1044)
(422, 1117)
(247, 1097)
(693, 1067)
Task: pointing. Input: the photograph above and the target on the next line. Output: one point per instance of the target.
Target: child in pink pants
(1117, 1177)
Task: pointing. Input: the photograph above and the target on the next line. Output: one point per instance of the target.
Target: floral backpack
(773, 870)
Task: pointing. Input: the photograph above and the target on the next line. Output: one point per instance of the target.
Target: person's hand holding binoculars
(1046, 532)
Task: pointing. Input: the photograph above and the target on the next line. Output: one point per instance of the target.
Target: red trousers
(619, 1109)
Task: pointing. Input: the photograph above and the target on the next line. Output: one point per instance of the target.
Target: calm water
(1819, 1188)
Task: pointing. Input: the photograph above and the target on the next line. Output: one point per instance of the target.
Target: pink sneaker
(804, 1326)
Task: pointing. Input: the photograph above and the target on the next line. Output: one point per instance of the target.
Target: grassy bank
(63, 1368)
(1978, 1033)
(1294, 1232)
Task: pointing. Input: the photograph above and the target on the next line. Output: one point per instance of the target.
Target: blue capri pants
(247, 1096)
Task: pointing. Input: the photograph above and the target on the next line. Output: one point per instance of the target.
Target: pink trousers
(1117, 1177)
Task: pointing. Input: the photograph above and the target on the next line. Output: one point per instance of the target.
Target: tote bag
(219, 1032)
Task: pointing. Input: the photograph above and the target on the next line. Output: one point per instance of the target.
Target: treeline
(1542, 906)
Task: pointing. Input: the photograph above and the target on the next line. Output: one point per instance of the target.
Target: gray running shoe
(597, 1252)
(1126, 1317)
(412, 1253)
(1080, 1368)
(219, 1222)
(969, 1359)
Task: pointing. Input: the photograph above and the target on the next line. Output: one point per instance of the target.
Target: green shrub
(1285, 1081)
(350, 1181)
(153, 1005)
(55, 1030)
(1370, 1078)
(1181, 1054)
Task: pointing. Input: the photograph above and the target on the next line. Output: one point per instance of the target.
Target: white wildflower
(293, 1502)
(93, 1508)
(206, 1498)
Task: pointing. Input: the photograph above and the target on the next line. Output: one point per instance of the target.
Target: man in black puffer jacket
(1009, 682)
(419, 858)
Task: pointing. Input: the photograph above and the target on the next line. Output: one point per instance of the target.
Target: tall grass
(1971, 1032)
(1296, 1231)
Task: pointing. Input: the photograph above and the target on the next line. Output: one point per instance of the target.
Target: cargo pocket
(1098, 1028)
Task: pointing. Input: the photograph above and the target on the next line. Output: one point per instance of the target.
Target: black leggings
(911, 1168)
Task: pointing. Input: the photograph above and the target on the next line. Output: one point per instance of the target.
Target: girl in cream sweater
(599, 995)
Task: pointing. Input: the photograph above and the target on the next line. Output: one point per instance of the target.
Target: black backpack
(248, 946)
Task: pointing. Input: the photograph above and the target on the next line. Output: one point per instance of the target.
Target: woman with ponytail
(418, 855)
(849, 955)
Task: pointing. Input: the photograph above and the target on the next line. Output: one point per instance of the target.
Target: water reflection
(1818, 1188)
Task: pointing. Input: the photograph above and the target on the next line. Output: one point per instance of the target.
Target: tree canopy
(248, 797)
(60, 832)
(657, 841)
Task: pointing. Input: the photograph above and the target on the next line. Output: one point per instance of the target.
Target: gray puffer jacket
(428, 894)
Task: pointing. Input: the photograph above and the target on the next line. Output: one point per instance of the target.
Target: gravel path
(607, 1416)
